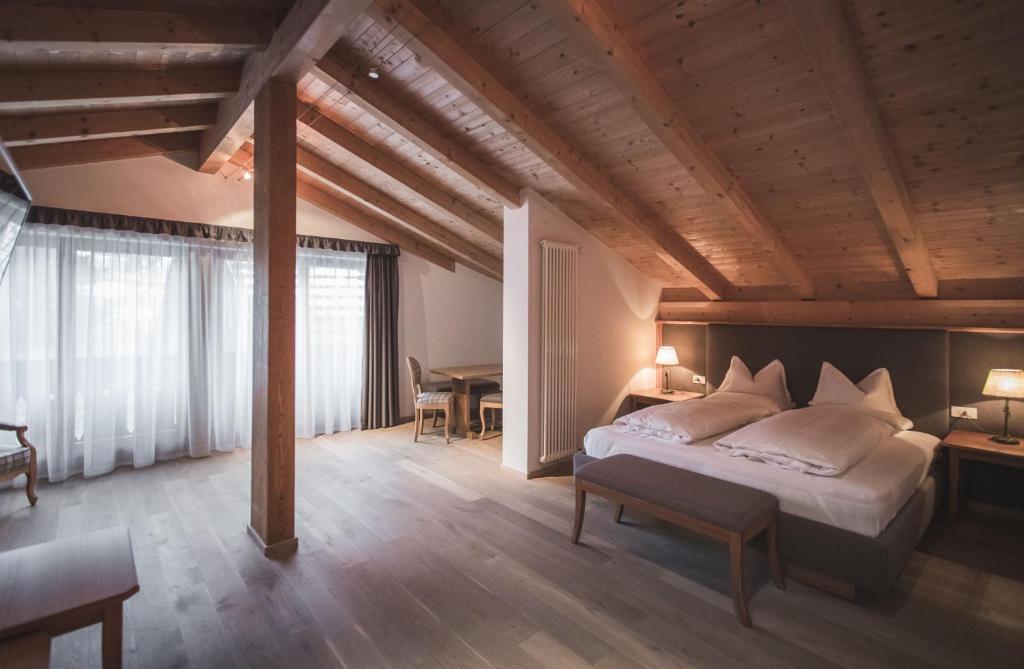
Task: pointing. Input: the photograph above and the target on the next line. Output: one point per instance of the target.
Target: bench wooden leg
(618, 513)
(773, 555)
(736, 545)
(113, 623)
(581, 505)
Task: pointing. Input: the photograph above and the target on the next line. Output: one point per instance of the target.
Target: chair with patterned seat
(429, 400)
(431, 387)
(19, 460)
(492, 401)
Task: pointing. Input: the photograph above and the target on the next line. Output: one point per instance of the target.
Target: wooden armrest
(20, 430)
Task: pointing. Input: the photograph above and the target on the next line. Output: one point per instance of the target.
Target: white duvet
(825, 440)
(691, 421)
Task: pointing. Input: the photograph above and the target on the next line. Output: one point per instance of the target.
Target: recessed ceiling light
(247, 175)
(374, 73)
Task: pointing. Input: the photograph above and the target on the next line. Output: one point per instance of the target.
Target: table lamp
(666, 356)
(1008, 384)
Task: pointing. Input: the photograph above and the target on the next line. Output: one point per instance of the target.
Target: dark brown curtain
(379, 407)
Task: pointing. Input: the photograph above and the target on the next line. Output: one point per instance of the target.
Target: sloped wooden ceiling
(942, 96)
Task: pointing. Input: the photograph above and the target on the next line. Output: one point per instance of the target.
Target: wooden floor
(421, 555)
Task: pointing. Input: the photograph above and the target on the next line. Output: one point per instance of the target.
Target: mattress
(863, 499)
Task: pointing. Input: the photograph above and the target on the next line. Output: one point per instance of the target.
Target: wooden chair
(429, 400)
(492, 402)
(19, 460)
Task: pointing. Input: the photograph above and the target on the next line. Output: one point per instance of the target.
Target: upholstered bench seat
(15, 458)
(720, 509)
(722, 503)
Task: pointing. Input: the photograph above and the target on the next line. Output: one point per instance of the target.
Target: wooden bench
(719, 509)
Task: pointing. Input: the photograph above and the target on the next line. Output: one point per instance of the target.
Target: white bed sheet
(864, 499)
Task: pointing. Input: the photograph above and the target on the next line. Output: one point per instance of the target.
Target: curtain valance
(159, 226)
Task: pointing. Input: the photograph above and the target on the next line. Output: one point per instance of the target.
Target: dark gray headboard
(918, 361)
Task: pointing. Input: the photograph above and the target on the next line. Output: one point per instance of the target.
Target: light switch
(964, 412)
(699, 380)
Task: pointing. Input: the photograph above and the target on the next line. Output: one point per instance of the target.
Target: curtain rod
(223, 233)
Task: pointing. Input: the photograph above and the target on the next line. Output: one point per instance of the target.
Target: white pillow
(874, 392)
(769, 382)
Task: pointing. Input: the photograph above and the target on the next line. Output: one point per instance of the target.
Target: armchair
(19, 460)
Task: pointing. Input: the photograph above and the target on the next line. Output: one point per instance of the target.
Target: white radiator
(558, 351)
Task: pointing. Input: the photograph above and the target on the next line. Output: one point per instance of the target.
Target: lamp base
(667, 391)
(1005, 439)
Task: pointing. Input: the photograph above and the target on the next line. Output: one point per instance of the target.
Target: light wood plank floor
(421, 555)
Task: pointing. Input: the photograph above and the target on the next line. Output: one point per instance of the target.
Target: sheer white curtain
(329, 313)
(126, 348)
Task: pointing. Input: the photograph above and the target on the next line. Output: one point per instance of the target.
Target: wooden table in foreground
(64, 585)
(966, 445)
(29, 651)
(461, 376)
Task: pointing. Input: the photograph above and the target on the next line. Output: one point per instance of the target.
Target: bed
(863, 500)
(854, 530)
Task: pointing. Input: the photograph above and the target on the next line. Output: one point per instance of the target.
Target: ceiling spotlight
(247, 175)
(374, 73)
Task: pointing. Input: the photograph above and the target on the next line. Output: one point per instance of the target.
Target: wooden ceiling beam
(42, 90)
(873, 313)
(373, 98)
(593, 28)
(74, 126)
(311, 190)
(469, 254)
(428, 36)
(831, 45)
(307, 32)
(83, 29)
(312, 119)
(39, 156)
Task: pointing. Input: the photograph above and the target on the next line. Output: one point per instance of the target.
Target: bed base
(833, 586)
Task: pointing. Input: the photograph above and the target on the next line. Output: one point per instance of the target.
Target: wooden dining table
(461, 377)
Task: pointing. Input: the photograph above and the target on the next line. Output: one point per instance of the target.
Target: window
(125, 348)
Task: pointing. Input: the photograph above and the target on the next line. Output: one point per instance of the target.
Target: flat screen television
(14, 203)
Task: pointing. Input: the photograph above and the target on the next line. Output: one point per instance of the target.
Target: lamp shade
(1005, 383)
(666, 356)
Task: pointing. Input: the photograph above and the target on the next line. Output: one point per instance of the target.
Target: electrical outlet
(964, 412)
(699, 380)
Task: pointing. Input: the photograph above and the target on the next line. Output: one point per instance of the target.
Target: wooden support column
(272, 523)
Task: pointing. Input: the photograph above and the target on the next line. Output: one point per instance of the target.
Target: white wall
(615, 328)
(444, 319)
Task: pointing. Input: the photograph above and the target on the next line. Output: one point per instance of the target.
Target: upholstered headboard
(918, 361)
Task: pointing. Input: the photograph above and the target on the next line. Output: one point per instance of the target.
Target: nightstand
(965, 445)
(652, 396)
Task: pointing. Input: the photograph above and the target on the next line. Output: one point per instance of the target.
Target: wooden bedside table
(965, 445)
(652, 396)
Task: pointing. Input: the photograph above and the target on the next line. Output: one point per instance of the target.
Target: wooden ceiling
(730, 149)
